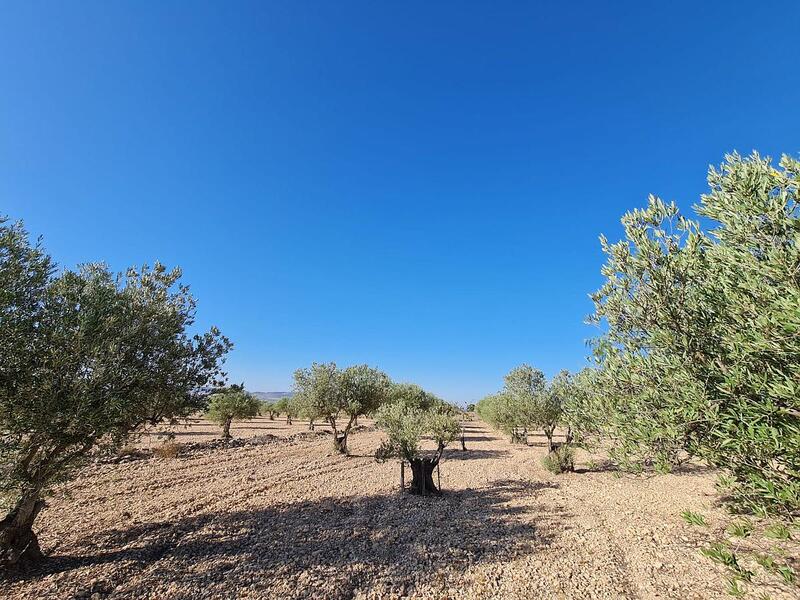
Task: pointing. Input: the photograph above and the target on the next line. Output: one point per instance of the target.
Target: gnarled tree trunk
(422, 476)
(226, 429)
(18, 543)
(340, 438)
(340, 442)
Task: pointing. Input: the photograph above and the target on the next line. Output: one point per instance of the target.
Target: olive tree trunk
(340, 442)
(549, 435)
(422, 476)
(18, 543)
(226, 429)
(340, 437)
(422, 473)
(519, 437)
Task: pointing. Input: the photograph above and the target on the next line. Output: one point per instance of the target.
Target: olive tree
(529, 401)
(405, 424)
(502, 411)
(515, 410)
(523, 409)
(702, 344)
(325, 392)
(268, 408)
(86, 357)
(232, 404)
(582, 415)
(288, 407)
(550, 404)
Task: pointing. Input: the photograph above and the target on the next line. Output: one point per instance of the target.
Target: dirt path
(294, 520)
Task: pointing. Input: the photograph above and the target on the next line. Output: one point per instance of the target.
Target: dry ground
(293, 520)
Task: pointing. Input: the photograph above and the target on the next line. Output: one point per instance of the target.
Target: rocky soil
(282, 518)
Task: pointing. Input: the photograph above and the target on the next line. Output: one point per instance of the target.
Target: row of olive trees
(700, 355)
(529, 402)
(326, 393)
(86, 357)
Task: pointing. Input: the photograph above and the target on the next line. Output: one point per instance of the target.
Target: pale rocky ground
(294, 520)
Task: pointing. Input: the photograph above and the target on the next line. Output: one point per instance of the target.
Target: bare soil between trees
(292, 519)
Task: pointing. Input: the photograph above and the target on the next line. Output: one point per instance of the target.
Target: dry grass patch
(167, 450)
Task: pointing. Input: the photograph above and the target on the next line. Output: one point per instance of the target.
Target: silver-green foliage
(515, 409)
(701, 353)
(87, 356)
(286, 406)
(406, 421)
(325, 392)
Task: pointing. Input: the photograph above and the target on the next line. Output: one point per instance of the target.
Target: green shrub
(560, 460)
(167, 450)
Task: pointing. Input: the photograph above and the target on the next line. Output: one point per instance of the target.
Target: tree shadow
(530, 444)
(694, 468)
(479, 438)
(456, 453)
(178, 434)
(339, 545)
(605, 466)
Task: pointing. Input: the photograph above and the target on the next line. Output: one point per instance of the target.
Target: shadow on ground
(468, 454)
(341, 544)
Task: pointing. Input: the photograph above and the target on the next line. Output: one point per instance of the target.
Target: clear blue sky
(418, 186)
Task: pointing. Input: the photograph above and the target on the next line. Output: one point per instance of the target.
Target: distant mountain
(271, 395)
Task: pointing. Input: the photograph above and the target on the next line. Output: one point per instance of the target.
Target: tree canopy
(85, 358)
(324, 392)
(701, 352)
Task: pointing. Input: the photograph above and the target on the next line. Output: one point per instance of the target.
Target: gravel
(280, 515)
